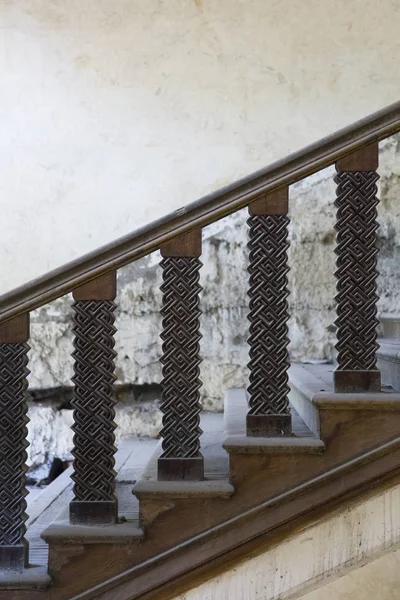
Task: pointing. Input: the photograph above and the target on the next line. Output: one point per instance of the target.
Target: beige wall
(352, 555)
(377, 579)
(116, 112)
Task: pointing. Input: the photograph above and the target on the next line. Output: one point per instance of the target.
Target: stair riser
(390, 371)
(346, 434)
(307, 411)
(391, 327)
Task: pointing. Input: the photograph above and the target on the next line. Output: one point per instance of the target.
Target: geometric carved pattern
(93, 400)
(13, 443)
(356, 273)
(181, 359)
(268, 315)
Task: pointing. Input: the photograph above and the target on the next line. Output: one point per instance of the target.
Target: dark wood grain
(101, 288)
(268, 315)
(181, 458)
(356, 274)
(357, 381)
(187, 244)
(273, 203)
(15, 330)
(13, 433)
(363, 159)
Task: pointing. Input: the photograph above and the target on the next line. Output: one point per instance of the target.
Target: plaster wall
(115, 113)
(352, 554)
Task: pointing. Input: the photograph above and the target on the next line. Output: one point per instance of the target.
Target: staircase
(149, 520)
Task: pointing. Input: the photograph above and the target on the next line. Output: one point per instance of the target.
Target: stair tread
(130, 459)
(390, 323)
(216, 467)
(53, 502)
(388, 356)
(125, 532)
(35, 576)
(312, 388)
(322, 372)
(316, 381)
(237, 441)
(389, 347)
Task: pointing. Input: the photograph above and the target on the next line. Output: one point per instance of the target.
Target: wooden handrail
(208, 209)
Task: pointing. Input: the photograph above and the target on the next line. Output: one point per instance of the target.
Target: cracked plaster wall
(114, 113)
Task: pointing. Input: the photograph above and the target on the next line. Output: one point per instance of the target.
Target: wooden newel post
(94, 476)
(357, 251)
(181, 457)
(13, 443)
(269, 412)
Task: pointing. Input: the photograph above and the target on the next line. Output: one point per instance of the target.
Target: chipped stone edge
(308, 385)
(241, 444)
(32, 577)
(183, 489)
(63, 532)
(386, 401)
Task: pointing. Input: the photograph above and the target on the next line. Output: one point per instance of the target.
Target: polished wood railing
(92, 280)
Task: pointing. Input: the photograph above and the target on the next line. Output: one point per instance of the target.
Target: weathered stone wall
(224, 303)
(51, 418)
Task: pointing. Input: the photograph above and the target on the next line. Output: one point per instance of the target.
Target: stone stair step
(391, 325)
(236, 441)
(305, 381)
(312, 389)
(216, 468)
(389, 362)
(130, 459)
(48, 516)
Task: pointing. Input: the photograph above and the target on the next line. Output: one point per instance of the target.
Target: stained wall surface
(115, 113)
(354, 554)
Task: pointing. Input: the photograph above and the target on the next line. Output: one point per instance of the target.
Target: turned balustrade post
(181, 457)
(93, 402)
(13, 441)
(357, 251)
(269, 412)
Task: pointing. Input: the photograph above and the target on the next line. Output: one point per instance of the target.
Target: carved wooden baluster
(269, 413)
(93, 403)
(181, 458)
(356, 273)
(13, 441)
